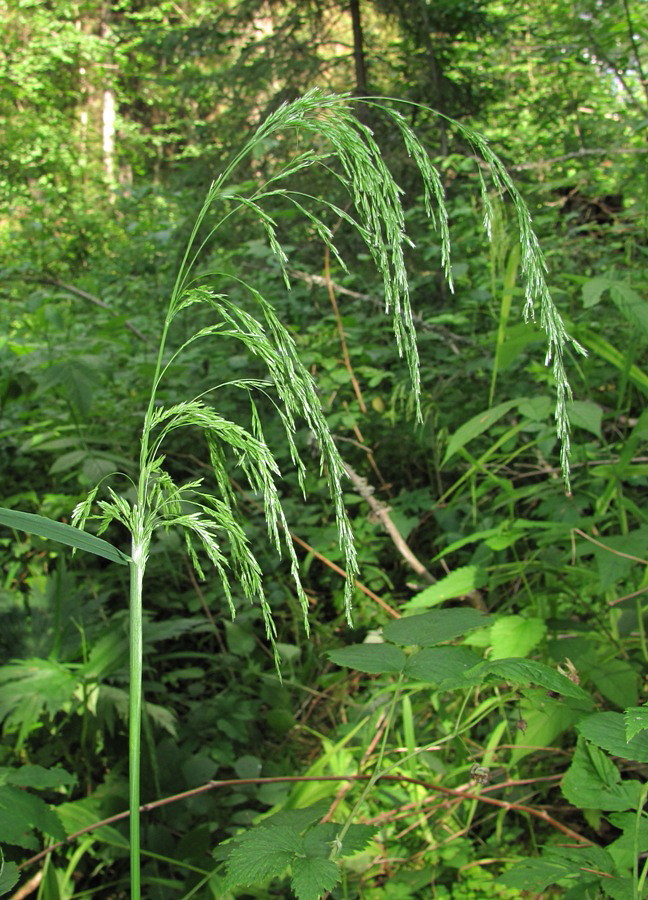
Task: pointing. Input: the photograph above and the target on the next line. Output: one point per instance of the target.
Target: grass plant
(327, 134)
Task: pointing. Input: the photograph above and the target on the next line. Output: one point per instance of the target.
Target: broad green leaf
(313, 877)
(476, 426)
(587, 415)
(30, 686)
(262, 853)
(515, 636)
(623, 850)
(457, 584)
(9, 876)
(616, 679)
(596, 343)
(526, 671)
(87, 812)
(67, 461)
(63, 534)
(441, 666)
(593, 290)
(36, 777)
(76, 378)
(375, 659)
(592, 781)
(20, 812)
(629, 303)
(537, 874)
(557, 864)
(611, 555)
(636, 720)
(538, 409)
(543, 720)
(300, 819)
(357, 838)
(607, 730)
(434, 627)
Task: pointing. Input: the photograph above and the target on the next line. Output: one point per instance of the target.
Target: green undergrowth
(492, 740)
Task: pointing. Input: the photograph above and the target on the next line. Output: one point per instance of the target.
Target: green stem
(137, 567)
(377, 773)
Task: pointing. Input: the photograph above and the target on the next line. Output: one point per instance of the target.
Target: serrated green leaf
(458, 583)
(526, 671)
(537, 874)
(592, 781)
(36, 777)
(631, 305)
(63, 534)
(262, 853)
(544, 721)
(557, 864)
(636, 720)
(20, 812)
(299, 819)
(513, 636)
(76, 378)
(9, 876)
(476, 426)
(607, 730)
(593, 290)
(374, 659)
(30, 686)
(442, 666)
(434, 627)
(616, 679)
(357, 838)
(312, 877)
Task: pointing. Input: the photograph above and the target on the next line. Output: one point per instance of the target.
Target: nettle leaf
(30, 686)
(36, 777)
(592, 781)
(442, 666)
(516, 636)
(434, 627)
(608, 731)
(633, 839)
(557, 864)
(374, 659)
(9, 876)
(20, 813)
(526, 671)
(63, 534)
(299, 819)
(312, 877)
(357, 838)
(636, 720)
(262, 853)
(537, 874)
(457, 584)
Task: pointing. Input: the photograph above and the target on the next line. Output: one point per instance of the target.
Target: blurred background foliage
(115, 118)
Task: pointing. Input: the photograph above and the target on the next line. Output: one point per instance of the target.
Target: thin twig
(610, 549)
(460, 793)
(340, 328)
(585, 151)
(79, 292)
(381, 511)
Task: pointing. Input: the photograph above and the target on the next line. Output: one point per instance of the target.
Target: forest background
(523, 777)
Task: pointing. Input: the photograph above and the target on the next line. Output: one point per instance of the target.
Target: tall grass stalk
(336, 140)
